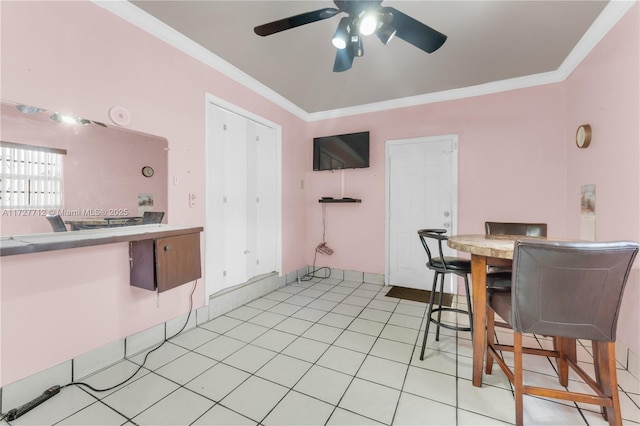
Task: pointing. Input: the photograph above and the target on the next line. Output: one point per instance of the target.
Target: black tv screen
(349, 151)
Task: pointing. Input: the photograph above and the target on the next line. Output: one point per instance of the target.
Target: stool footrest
(445, 325)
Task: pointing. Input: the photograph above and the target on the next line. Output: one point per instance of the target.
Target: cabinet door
(143, 267)
(177, 260)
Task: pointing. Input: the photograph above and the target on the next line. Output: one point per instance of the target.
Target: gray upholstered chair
(569, 291)
(441, 266)
(500, 271)
(56, 223)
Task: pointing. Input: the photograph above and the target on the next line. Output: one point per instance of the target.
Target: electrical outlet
(192, 200)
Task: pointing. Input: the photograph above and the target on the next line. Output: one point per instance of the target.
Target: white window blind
(30, 176)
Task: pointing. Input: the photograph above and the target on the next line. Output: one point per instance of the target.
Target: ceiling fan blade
(415, 32)
(295, 21)
(344, 59)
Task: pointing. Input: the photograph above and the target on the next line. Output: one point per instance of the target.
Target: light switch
(192, 200)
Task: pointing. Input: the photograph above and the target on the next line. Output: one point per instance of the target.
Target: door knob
(446, 214)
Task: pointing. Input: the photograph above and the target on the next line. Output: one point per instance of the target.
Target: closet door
(242, 226)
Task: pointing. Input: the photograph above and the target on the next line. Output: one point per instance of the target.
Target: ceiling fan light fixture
(385, 32)
(368, 23)
(341, 35)
(357, 46)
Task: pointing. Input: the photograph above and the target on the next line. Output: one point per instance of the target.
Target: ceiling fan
(364, 17)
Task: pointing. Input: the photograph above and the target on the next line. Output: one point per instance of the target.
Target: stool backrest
(569, 289)
(57, 224)
(438, 235)
(514, 228)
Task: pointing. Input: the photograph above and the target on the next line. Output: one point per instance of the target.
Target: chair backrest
(513, 228)
(57, 223)
(438, 235)
(569, 289)
(152, 217)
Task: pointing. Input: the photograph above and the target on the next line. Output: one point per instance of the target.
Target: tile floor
(323, 352)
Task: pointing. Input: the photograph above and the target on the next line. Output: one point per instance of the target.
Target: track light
(385, 32)
(341, 36)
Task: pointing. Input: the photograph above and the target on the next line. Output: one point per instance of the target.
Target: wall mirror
(106, 171)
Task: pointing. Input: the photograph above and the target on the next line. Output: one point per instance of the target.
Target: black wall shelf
(339, 200)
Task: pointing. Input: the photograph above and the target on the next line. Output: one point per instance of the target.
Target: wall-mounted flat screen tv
(349, 151)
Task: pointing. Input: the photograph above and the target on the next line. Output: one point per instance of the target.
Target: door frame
(454, 197)
(212, 223)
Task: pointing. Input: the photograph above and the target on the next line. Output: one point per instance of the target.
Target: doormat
(418, 295)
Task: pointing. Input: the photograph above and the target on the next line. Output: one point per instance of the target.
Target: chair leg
(605, 368)
(466, 288)
(426, 327)
(440, 306)
(490, 339)
(560, 345)
(517, 377)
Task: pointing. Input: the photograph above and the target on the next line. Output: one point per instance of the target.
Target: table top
(499, 246)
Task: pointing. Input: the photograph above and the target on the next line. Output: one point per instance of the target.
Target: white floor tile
(160, 356)
(274, 340)
(285, 309)
(336, 320)
(221, 416)
(138, 396)
(111, 376)
(96, 414)
(324, 384)
(294, 326)
(306, 349)
(370, 399)
(395, 351)
(487, 400)
(220, 347)
(431, 385)
(193, 338)
(400, 334)
(323, 305)
(309, 314)
(164, 412)
(375, 315)
(323, 333)
(263, 303)
(347, 309)
(250, 358)
(356, 300)
(254, 398)
(246, 332)
(284, 370)
(343, 360)
(218, 381)
(298, 409)
(414, 410)
(383, 371)
(268, 319)
(222, 324)
(342, 417)
(244, 313)
(355, 341)
(405, 321)
(383, 305)
(372, 328)
(186, 368)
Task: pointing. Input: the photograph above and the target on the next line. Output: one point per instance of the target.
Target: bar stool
(441, 266)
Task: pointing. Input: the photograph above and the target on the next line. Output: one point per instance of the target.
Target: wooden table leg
(479, 293)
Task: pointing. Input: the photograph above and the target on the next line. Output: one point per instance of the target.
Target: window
(30, 176)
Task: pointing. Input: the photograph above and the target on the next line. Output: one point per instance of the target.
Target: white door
(242, 225)
(421, 193)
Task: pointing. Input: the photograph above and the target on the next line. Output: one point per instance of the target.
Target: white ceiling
(491, 46)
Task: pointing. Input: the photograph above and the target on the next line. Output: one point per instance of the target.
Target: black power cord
(312, 274)
(54, 390)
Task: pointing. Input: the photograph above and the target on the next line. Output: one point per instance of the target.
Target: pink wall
(511, 158)
(604, 91)
(79, 58)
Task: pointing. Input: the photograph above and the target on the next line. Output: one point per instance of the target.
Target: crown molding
(610, 15)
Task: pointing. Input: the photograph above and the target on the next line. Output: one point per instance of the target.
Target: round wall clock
(147, 171)
(583, 136)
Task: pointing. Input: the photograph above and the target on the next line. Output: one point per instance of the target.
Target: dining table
(485, 250)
